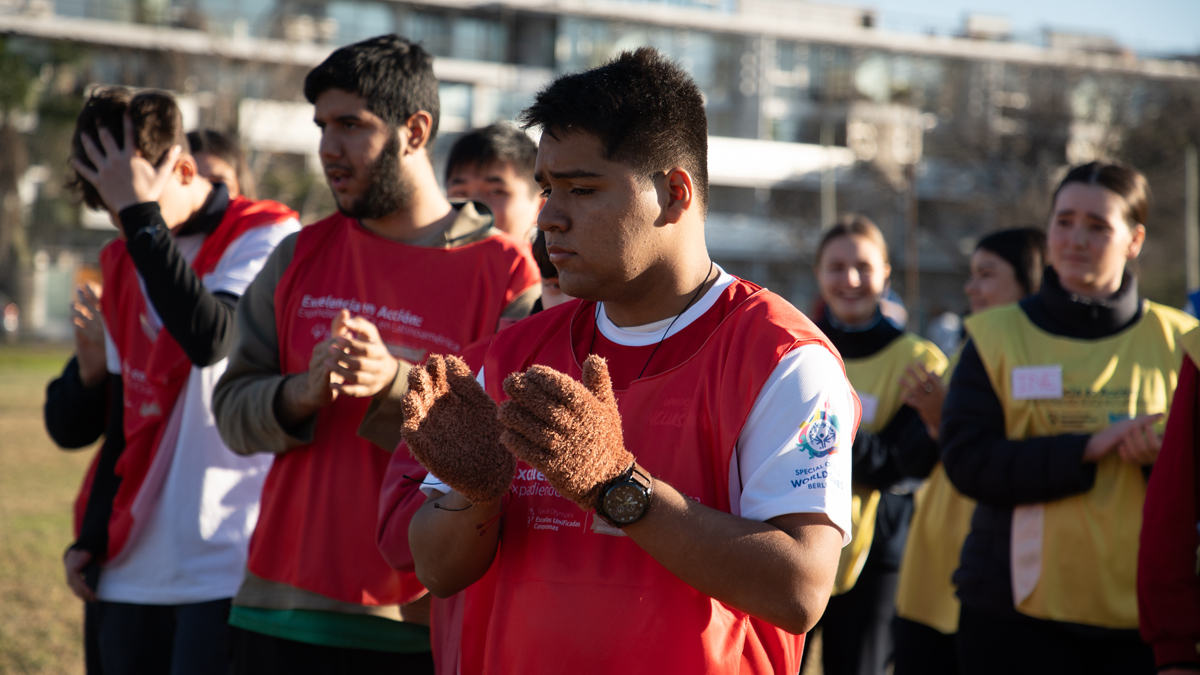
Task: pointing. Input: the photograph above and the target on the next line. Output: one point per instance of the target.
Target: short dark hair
(395, 77)
(157, 127)
(213, 142)
(645, 109)
(1025, 249)
(494, 143)
(1120, 179)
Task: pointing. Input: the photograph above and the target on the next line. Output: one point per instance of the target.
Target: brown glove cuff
(482, 478)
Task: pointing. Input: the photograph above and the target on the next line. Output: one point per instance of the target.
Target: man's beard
(387, 192)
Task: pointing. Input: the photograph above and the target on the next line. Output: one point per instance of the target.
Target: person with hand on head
(1005, 267)
(667, 472)
(892, 445)
(1051, 424)
(166, 511)
(328, 334)
(220, 159)
(494, 165)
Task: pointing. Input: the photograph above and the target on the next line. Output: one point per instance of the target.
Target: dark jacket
(999, 473)
(886, 460)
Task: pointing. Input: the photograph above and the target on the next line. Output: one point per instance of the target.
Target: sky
(1147, 26)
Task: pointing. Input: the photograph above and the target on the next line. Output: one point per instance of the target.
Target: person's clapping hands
(570, 431)
(924, 391)
(358, 359)
(1141, 442)
(1134, 440)
(89, 334)
(451, 428)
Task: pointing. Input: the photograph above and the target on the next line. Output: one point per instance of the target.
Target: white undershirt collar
(652, 333)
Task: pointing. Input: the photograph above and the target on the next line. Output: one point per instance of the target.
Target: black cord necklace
(695, 296)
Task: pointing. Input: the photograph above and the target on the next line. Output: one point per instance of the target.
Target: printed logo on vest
(820, 433)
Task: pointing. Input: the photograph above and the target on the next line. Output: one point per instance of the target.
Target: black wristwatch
(626, 498)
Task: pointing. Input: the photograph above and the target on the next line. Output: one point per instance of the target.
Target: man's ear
(186, 170)
(680, 194)
(419, 126)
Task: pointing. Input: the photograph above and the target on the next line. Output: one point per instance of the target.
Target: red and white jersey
(320, 502)
(186, 506)
(745, 408)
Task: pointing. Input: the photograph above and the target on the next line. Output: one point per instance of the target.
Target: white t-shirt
(192, 545)
(794, 453)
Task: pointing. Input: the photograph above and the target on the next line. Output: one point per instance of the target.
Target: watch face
(624, 503)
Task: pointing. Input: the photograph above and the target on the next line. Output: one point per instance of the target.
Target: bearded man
(328, 333)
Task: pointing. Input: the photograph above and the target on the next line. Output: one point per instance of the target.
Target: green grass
(40, 621)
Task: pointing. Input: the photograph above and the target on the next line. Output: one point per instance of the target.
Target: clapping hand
(89, 334)
(924, 392)
(1135, 440)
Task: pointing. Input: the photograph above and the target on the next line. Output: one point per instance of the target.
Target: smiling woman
(892, 443)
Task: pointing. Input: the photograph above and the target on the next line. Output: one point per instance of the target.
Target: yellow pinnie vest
(1075, 559)
(876, 379)
(940, 525)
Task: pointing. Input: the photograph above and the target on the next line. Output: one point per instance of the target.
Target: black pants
(91, 639)
(258, 654)
(921, 650)
(163, 639)
(856, 636)
(1003, 645)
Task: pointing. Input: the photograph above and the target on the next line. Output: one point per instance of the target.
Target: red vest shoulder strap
(241, 216)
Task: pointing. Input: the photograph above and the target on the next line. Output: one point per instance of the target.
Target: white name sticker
(870, 404)
(1031, 383)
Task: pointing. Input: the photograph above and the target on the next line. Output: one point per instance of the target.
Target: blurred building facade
(812, 110)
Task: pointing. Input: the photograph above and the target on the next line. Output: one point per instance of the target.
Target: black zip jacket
(999, 473)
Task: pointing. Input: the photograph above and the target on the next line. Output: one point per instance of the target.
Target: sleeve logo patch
(820, 433)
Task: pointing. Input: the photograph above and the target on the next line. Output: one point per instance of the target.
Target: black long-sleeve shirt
(200, 321)
(1000, 473)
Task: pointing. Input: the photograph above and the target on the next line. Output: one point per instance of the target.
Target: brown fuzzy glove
(450, 427)
(571, 432)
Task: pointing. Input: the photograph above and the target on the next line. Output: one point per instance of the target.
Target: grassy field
(40, 621)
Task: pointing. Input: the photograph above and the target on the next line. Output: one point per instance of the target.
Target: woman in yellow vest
(1051, 423)
(1005, 267)
(892, 444)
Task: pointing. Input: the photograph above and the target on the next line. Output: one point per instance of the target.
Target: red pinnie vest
(154, 368)
(564, 587)
(320, 502)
